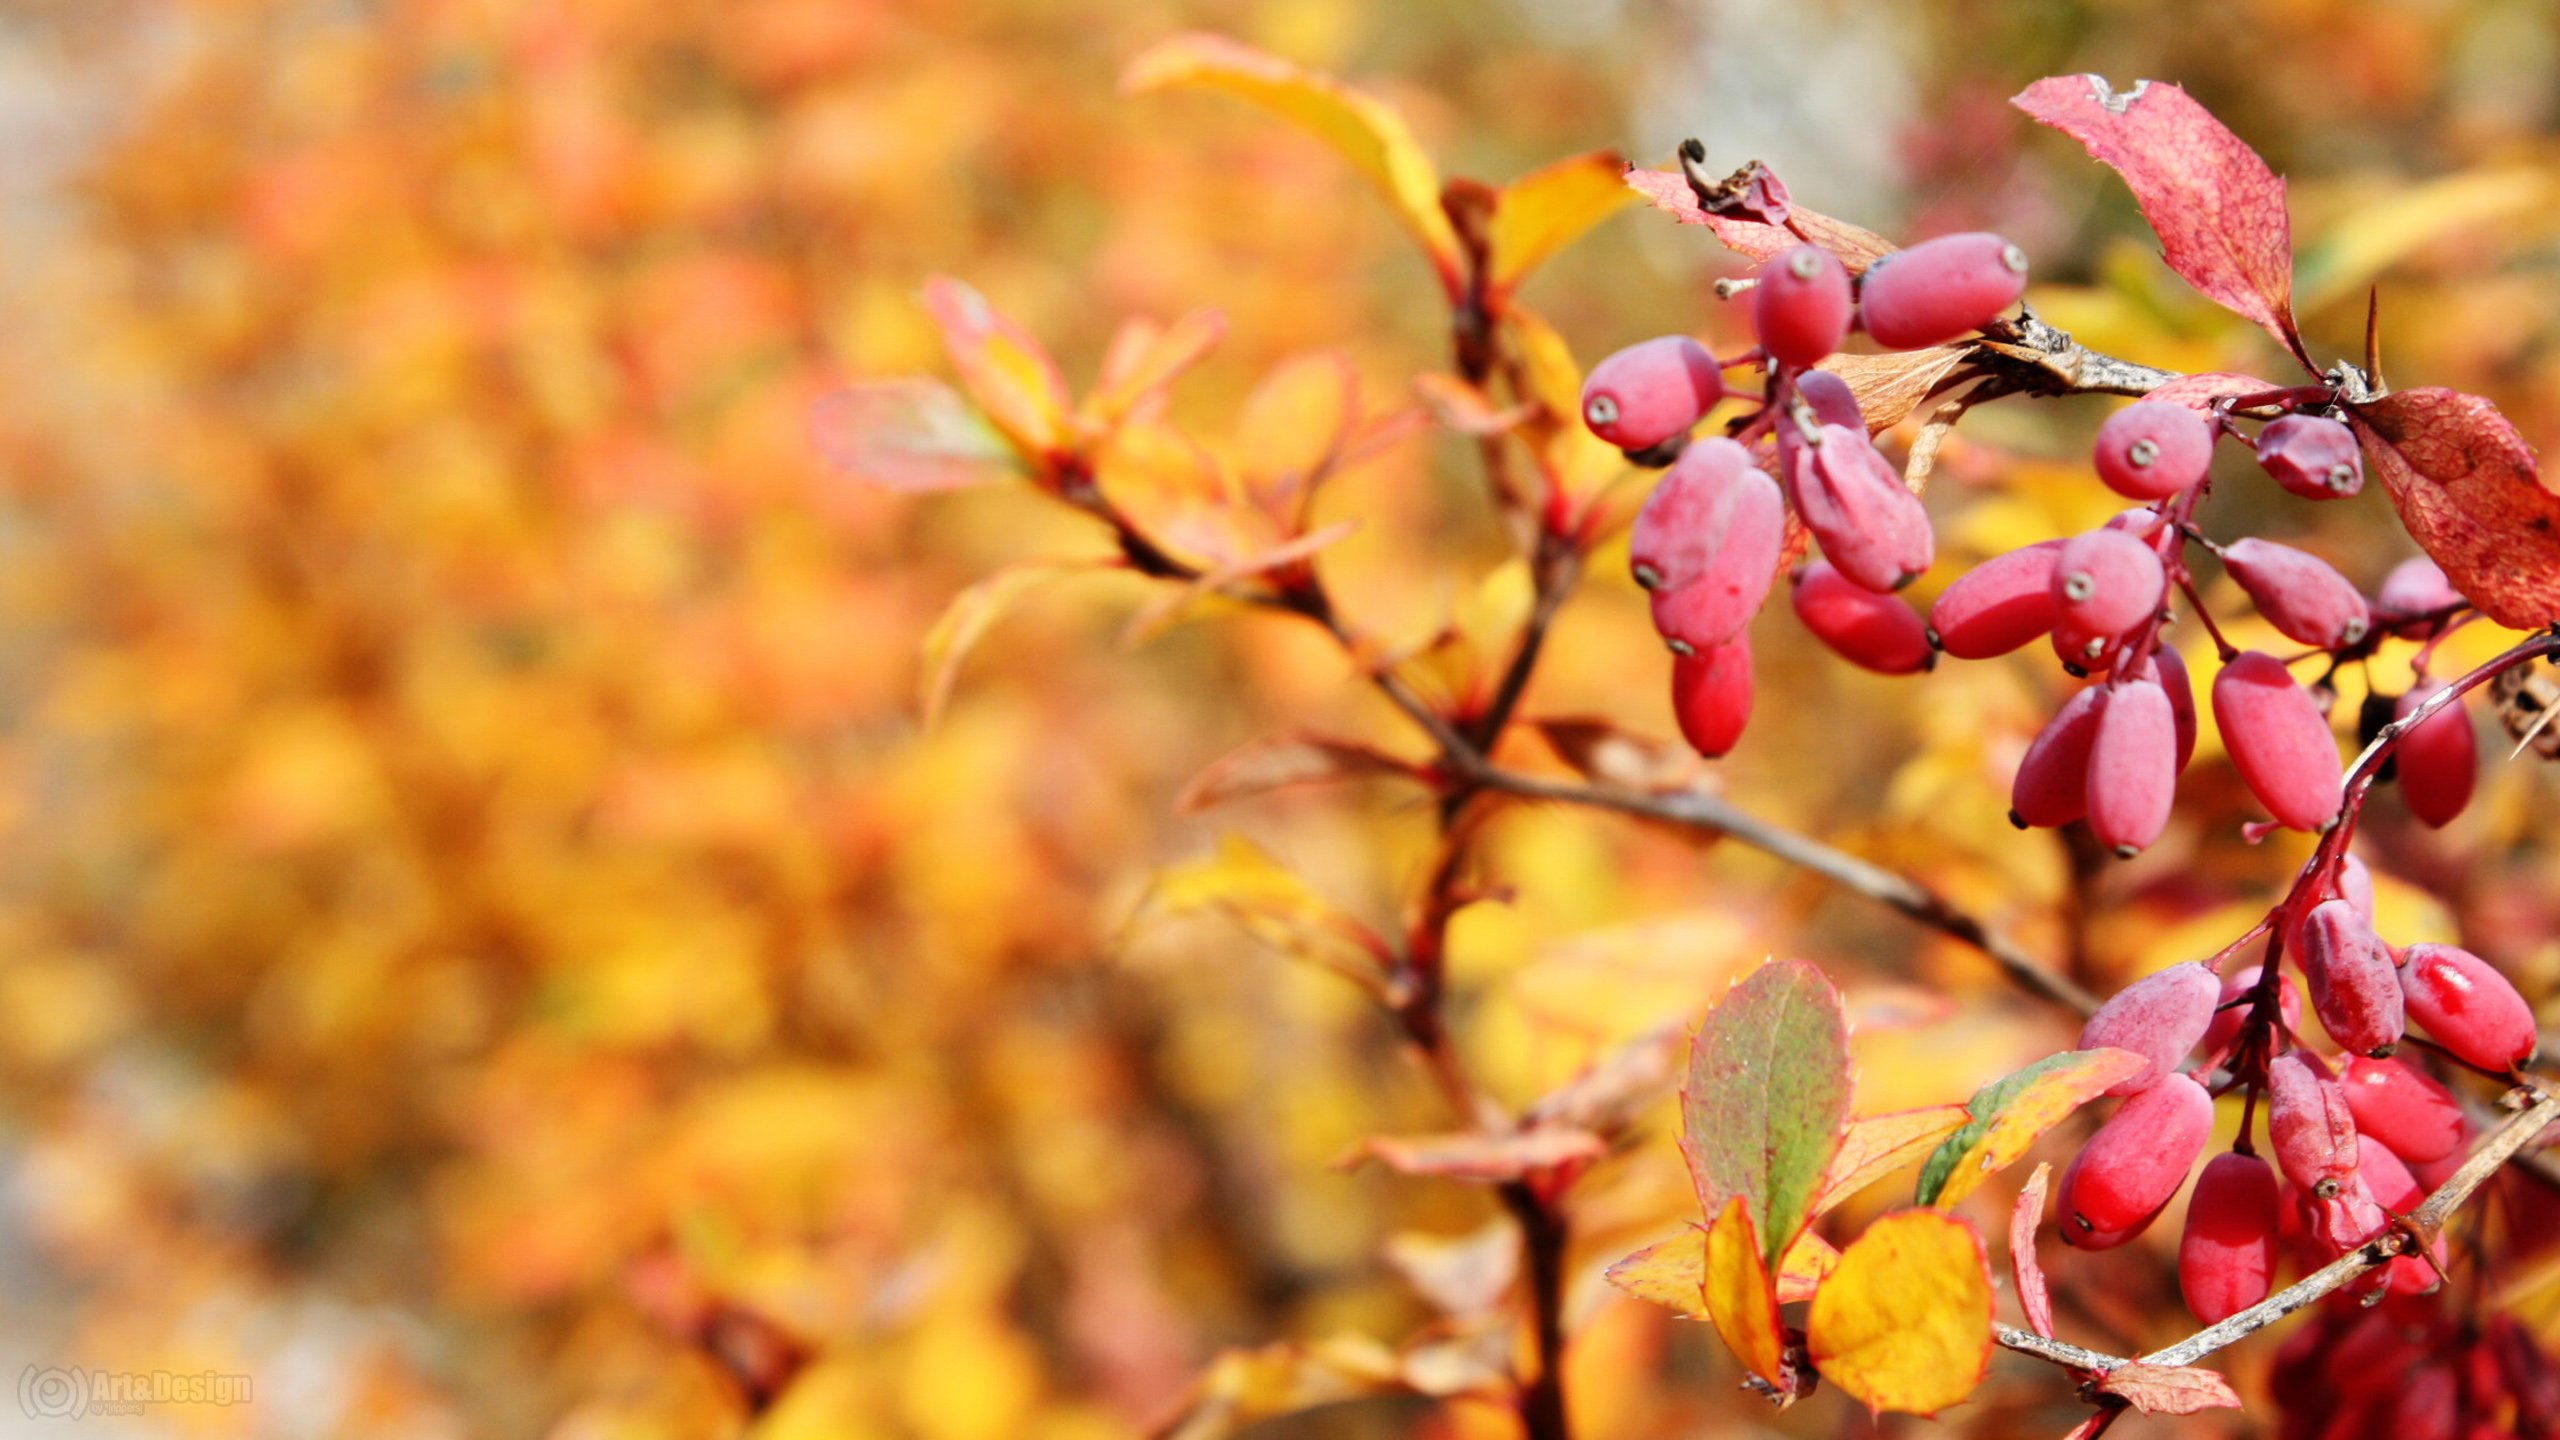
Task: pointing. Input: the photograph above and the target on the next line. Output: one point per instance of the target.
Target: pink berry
(1940, 289)
(2105, 582)
(2138, 1159)
(1651, 391)
(2227, 1255)
(2416, 586)
(1709, 540)
(2314, 458)
(2309, 1126)
(1871, 527)
(2168, 669)
(2279, 741)
(1801, 305)
(2299, 593)
(2439, 759)
(2388, 1179)
(2231, 1008)
(2152, 449)
(1864, 628)
(1830, 399)
(2159, 1017)
(1711, 695)
(2052, 784)
(2355, 989)
(1682, 527)
(2133, 769)
(1998, 605)
(2467, 1006)
(2395, 1104)
(2138, 522)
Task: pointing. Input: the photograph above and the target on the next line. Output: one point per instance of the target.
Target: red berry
(2415, 586)
(2402, 1108)
(1709, 540)
(2309, 1127)
(2298, 592)
(1872, 528)
(1940, 289)
(2439, 759)
(2279, 741)
(2168, 669)
(2467, 1006)
(2137, 522)
(2152, 449)
(2231, 1008)
(2355, 989)
(2227, 1256)
(2052, 784)
(1651, 391)
(1864, 628)
(1998, 605)
(2388, 1179)
(1830, 399)
(2133, 768)
(2105, 582)
(2138, 1159)
(1801, 305)
(2314, 458)
(1711, 695)
(2159, 1017)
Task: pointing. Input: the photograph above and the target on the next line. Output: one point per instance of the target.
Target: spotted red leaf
(2217, 208)
(1669, 191)
(2466, 485)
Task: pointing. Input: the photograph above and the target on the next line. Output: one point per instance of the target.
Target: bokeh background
(486, 944)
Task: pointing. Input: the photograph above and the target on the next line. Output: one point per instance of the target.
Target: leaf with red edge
(1281, 761)
(914, 435)
(2467, 487)
(1904, 1321)
(1878, 1145)
(2217, 208)
(1740, 1299)
(1547, 209)
(1002, 368)
(2024, 1217)
(2168, 1389)
(2199, 391)
(1669, 191)
(1767, 1098)
(1484, 1159)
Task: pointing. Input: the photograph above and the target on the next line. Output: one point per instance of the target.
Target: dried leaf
(915, 435)
(1004, 370)
(2217, 208)
(1359, 127)
(1767, 1098)
(1145, 358)
(1280, 761)
(2009, 1113)
(1461, 1275)
(2467, 487)
(1890, 386)
(1485, 1159)
(1740, 1300)
(2168, 1389)
(1669, 191)
(1904, 1322)
(1877, 1145)
(2024, 1216)
(1602, 750)
(1549, 208)
(971, 614)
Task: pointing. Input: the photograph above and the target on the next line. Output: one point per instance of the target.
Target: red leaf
(2217, 208)
(2466, 485)
(2199, 391)
(2033, 1297)
(1669, 191)
(2169, 1389)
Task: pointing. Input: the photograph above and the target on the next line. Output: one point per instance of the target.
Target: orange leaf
(1904, 1322)
(973, 612)
(1739, 1297)
(1673, 1274)
(1361, 128)
(1146, 357)
(1549, 208)
(910, 435)
(1001, 367)
(1878, 1145)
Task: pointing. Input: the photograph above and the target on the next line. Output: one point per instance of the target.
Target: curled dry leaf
(2469, 490)
(1669, 191)
(2168, 1389)
(1890, 386)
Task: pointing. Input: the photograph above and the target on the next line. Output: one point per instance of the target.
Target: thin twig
(2060, 1352)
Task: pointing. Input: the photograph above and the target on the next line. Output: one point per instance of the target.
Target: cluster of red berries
(2395, 1373)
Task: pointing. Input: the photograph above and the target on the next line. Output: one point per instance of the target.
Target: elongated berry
(2159, 1017)
(1877, 632)
(1940, 289)
(2298, 592)
(2355, 989)
(2340, 1220)
(2138, 522)
(1801, 305)
(2309, 1127)
(2052, 784)
(2279, 741)
(1872, 529)
(2416, 586)
(2231, 1008)
(2152, 449)
(2227, 1255)
(2091, 1238)
(2168, 669)
(2387, 1178)
(1681, 531)
(2314, 458)
(2133, 769)
(1998, 605)
(1711, 695)
(1651, 391)
(1830, 399)
(2467, 1006)
(2403, 1108)
(2439, 759)
(2138, 1159)
(2105, 582)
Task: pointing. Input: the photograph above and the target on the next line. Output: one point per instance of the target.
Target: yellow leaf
(1547, 209)
(1673, 1274)
(1273, 905)
(1738, 1295)
(1001, 367)
(1878, 1145)
(1361, 128)
(1296, 421)
(2376, 235)
(1904, 1322)
(1145, 357)
(971, 614)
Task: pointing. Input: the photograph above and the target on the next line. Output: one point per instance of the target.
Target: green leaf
(1767, 1099)
(2009, 1113)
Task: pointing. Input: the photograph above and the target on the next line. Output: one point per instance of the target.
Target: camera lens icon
(52, 1392)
